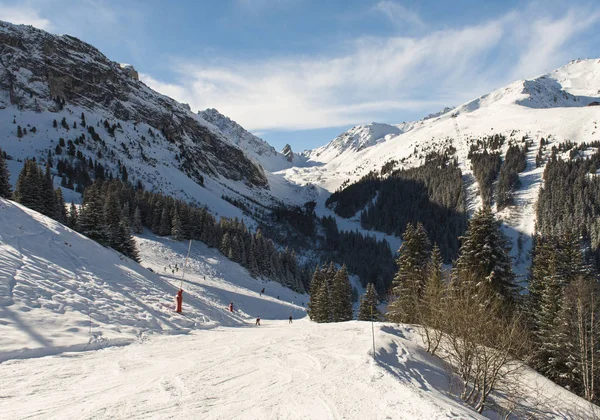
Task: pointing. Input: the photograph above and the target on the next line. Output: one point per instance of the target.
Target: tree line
(515, 161)
(113, 209)
(431, 194)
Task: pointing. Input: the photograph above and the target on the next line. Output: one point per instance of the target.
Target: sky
(303, 71)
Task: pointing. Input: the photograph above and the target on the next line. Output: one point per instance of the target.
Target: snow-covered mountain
(356, 139)
(57, 87)
(255, 147)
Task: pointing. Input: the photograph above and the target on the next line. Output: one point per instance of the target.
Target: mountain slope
(524, 109)
(46, 78)
(60, 291)
(256, 148)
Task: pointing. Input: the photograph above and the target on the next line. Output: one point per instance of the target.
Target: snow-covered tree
(412, 267)
(484, 254)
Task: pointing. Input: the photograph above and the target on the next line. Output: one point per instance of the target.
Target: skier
(230, 306)
(257, 321)
(290, 319)
(262, 291)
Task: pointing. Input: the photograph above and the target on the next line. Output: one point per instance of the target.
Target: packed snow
(87, 333)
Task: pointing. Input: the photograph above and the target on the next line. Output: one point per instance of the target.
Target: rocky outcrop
(130, 71)
(288, 153)
(43, 72)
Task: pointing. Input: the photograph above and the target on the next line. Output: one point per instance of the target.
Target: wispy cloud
(378, 75)
(545, 40)
(397, 13)
(24, 15)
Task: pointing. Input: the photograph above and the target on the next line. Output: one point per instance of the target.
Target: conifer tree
(61, 211)
(322, 304)
(176, 229)
(48, 198)
(367, 311)
(72, 218)
(112, 220)
(137, 221)
(434, 287)
(29, 186)
(91, 215)
(341, 297)
(165, 222)
(126, 243)
(484, 256)
(5, 190)
(318, 279)
(408, 283)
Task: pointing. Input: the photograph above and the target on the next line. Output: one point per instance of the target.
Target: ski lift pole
(185, 264)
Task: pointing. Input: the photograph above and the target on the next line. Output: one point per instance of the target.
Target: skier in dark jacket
(290, 319)
(257, 321)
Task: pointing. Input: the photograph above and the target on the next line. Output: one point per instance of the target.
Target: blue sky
(302, 71)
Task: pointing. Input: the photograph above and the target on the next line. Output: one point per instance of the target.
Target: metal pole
(185, 264)
(373, 332)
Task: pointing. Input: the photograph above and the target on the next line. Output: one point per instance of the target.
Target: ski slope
(86, 334)
(276, 371)
(60, 291)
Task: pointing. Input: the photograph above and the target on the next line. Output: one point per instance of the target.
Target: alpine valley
(262, 219)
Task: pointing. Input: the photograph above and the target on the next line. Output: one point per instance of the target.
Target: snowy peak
(575, 85)
(237, 134)
(356, 139)
(437, 114)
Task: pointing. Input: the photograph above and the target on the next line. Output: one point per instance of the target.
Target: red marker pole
(179, 301)
(179, 297)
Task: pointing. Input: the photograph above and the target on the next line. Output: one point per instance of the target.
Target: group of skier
(179, 302)
(257, 322)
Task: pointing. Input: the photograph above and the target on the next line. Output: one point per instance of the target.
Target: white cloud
(397, 13)
(375, 76)
(23, 15)
(546, 38)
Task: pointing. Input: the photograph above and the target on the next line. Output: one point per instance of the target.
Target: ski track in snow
(277, 371)
(149, 362)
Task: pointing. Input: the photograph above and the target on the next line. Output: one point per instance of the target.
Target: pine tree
(367, 311)
(322, 304)
(176, 229)
(112, 221)
(73, 216)
(314, 311)
(341, 297)
(127, 244)
(28, 190)
(484, 256)
(61, 211)
(434, 288)
(48, 198)
(409, 281)
(91, 215)
(137, 222)
(165, 222)
(5, 190)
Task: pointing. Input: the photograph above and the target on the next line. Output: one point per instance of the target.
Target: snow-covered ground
(60, 291)
(86, 333)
